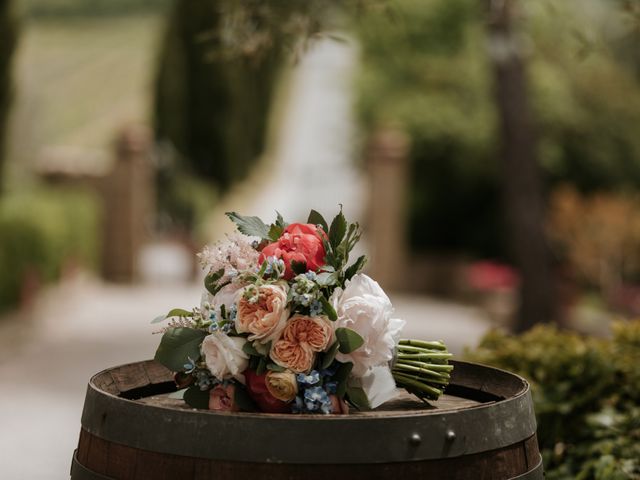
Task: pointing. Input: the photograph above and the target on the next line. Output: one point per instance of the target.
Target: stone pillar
(387, 162)
(128, 192)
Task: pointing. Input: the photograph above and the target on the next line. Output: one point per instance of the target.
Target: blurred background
(489, 148)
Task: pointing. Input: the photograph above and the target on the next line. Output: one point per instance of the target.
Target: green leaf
(275, 367)
(330, 355)
(251, 226)
(242, 399)
(355, 267)
(179, 312)
(249, 349)
(357, 397)
(159, 319)
(177, 346)
(280, 221)
(262, 366)
(341, 377)
(316, 218)
(275, 232)
(325, 279)
(211, 281)
(298, 267)
(197, 398)
(337, 230)
(330, 311)
(349, 340)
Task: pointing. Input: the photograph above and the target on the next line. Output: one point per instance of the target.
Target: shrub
(585, 391)
(42, 230)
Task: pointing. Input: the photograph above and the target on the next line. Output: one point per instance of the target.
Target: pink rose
(301, 339)
(265, 318)
(338, 405)
(300, 242)
(222, 398)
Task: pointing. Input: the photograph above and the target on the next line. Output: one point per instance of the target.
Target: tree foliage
(425, 67)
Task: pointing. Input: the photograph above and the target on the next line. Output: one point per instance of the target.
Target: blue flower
(316, 308)
(308, 380)
(311, 275)
(316, 398)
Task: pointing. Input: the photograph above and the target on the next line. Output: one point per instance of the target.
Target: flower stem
(436, 345)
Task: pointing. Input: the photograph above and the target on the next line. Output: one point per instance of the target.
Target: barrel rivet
(415, 439)
(451, 435)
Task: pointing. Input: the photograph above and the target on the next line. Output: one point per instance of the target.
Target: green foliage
(586, 393)
(8, 38)
(349, 340)
(95, 8)
(426, 70)
(42, 230)
(178, 347)
(197, 398)
(252, 226)
(212, 107)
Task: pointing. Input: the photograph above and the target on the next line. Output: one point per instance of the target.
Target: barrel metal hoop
(315, 439)
(537, 473)
(80, 472)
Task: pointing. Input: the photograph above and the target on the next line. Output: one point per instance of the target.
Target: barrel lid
(484, 409)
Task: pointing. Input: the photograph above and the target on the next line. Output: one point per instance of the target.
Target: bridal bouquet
(288, 324)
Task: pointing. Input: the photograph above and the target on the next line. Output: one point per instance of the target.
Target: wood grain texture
(126, 463)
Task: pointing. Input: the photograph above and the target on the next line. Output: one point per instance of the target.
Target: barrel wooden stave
(121, 458)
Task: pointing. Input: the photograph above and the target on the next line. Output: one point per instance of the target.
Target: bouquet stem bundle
(422, 368)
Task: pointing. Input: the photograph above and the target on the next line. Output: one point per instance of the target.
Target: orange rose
(300, 242)
(265, 318)
(301, 339)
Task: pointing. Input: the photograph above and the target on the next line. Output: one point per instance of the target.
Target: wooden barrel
(482, 428)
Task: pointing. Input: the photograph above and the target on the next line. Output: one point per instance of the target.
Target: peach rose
(222, 398)
(300, 242)
(282, 385)
(265, 318)
(301, 338)
(294, 356)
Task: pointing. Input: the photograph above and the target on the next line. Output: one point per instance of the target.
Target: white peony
(224, 356)
(365, 308)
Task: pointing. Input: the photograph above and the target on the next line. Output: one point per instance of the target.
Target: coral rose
(265, 318)
(282, 385)
(222, 398)
(300, 242)
(301, 338)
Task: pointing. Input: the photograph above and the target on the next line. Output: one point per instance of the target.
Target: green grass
(79, 79)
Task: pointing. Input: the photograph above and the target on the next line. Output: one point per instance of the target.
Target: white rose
(365, 308)
(227, 296)
(224, 356)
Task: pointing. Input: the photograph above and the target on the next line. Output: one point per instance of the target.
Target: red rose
(259, 393)
(300, 242)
